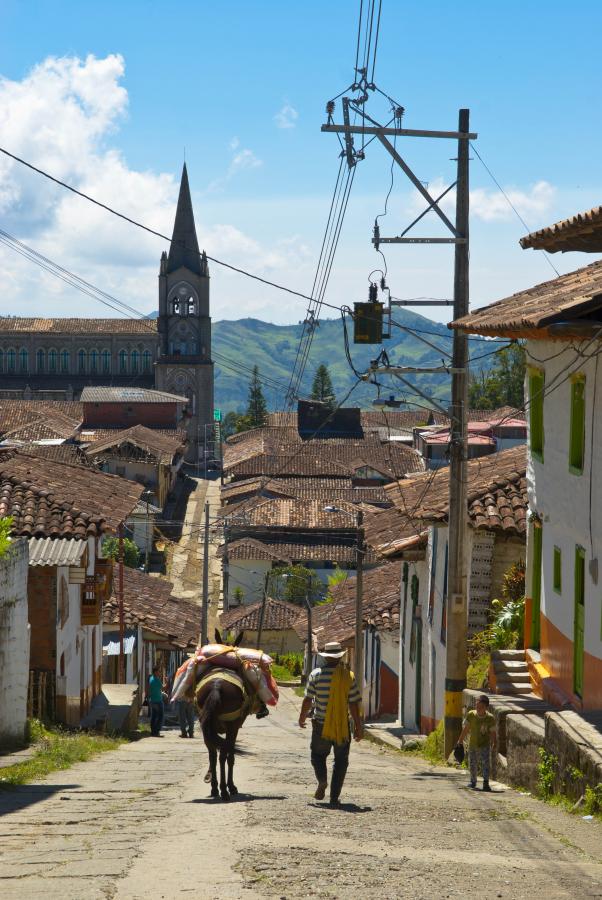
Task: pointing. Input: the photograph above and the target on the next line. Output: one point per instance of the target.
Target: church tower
(184, 363)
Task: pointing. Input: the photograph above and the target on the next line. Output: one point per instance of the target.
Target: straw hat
(332, 650)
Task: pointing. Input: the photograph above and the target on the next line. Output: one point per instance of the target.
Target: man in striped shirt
(317, 694)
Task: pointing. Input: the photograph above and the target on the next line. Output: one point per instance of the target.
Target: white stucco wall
(14, 644)
(570, 506)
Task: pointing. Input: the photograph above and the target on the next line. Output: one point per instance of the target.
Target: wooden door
(579, 621)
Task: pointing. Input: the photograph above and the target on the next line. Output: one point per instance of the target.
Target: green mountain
(242, 344)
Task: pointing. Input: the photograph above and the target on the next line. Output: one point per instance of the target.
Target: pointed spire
(184, 249)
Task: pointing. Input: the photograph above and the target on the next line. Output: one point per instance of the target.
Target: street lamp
(360, 551)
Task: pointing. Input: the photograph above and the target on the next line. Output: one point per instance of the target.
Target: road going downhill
(137, 824)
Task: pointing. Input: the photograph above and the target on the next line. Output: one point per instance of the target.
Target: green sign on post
(217, 415)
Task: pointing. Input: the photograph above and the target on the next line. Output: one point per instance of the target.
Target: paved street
(137, 823)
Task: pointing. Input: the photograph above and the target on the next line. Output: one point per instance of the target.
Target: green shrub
(547, 769)
(5, 527)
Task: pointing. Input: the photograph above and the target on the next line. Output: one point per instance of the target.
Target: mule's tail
(208, 720)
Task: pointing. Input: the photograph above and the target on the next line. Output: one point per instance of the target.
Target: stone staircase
(511, 672)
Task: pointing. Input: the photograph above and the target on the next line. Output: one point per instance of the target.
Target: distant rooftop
(581, 232)
(128, 395)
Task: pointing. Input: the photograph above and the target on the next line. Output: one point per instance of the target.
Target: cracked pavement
(138, 823)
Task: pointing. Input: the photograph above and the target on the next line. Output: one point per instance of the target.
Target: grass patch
(300, 690)
(477, 672)
(55, 749)
(433, 748)
(282, 673)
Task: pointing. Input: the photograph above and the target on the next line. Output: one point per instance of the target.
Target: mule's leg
(213, 771)
(231, 786)
(223, 786)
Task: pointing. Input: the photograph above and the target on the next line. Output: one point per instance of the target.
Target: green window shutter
(536, 389)
(557, 570)
(577, 433)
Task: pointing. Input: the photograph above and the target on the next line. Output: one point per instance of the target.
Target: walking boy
(333, 692)
(480, 724)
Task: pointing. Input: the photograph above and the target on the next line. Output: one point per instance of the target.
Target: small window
(106, 361)
(146, 361)
(557, 570)
(10, 360)
(536, 391)
(94, 361)
(40, 359)
(577, 433)
(52, 357)
(81, 361)
(123, 361)
(64, 360)
(23, 360)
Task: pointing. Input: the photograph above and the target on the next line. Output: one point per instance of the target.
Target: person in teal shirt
(155, 702)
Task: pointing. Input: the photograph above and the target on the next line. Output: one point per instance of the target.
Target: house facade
(414, 535)
(561, 323)
(14, 644)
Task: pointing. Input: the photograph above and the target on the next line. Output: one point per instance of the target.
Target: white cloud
(62, 116)
(492, 205)
(286, 117)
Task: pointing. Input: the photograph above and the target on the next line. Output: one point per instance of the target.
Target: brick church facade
(56, 358)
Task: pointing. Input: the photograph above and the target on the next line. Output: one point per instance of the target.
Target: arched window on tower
(64, 360)
(81, 361)
(106, 361)
(146, 361)
(175, 307)
(52, 357)
(94, 361)
(23, 360)
(40, 360)
(123, 361)
(134, 362)
(191, 302)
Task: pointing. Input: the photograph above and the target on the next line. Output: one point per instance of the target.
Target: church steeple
(184, 249)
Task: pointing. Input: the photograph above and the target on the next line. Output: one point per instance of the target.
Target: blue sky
(137, 82)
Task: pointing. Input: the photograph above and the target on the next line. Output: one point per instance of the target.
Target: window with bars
(536, 396)
(557, 570)
(577, 428)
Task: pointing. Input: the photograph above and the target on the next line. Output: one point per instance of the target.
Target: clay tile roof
(25, 420)
(581, 232)
(325, 489)
(562, 299)
(280, 451)
(161, 446)
(286, 551)
(335, 621)
(55, 499)
(290, 513)
(148, 601)
(497, 499)
(22, 325)
(278, 615)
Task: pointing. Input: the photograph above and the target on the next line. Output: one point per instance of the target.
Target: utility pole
(121, 612)
(457, 599)
(456, 234)
(205, 604)
(148, 535)
(264, 599)
(310, 635)
(226, 572)
(359, 602)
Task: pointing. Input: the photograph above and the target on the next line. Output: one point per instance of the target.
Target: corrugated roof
(56, 551)
(572, 296)
(128, 395)
(581, 232)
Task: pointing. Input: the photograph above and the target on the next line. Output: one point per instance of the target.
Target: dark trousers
(186, 717)
(320, 748)
(156, 716)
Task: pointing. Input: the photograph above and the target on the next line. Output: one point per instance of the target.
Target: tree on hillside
(322, 388)
(257, 411)
(503, 384)
(294, 584)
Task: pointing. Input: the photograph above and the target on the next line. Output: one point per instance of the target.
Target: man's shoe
(334, 803)
(473, 785)
(486, 786)
(183, 734)
(321, 790)
(191, 734)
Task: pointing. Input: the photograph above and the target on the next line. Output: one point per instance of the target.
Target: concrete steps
(511, 672)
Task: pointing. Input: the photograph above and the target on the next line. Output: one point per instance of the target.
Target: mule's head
(235, 643)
